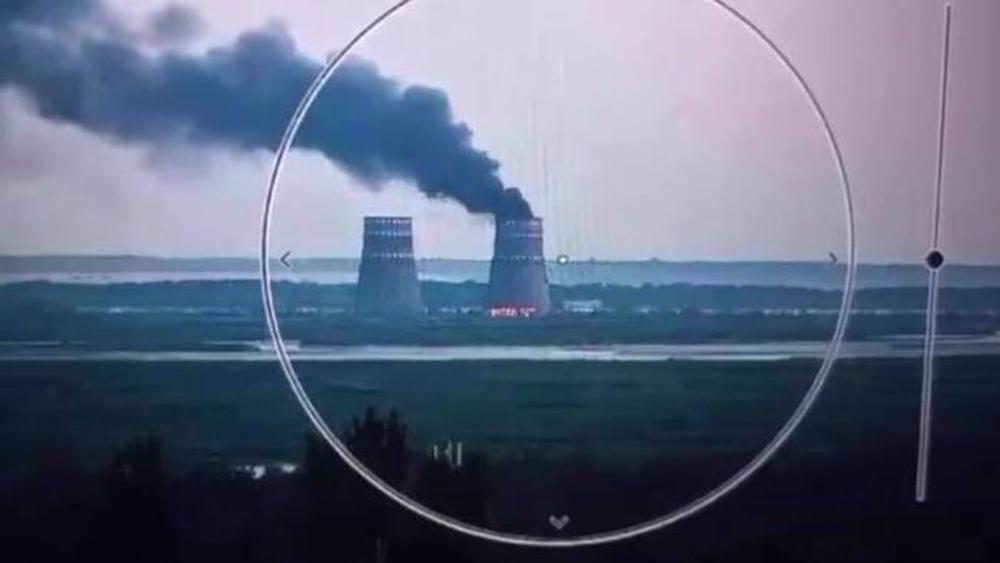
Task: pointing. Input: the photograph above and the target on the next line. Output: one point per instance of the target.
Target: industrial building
(519, 285)
(387, 278)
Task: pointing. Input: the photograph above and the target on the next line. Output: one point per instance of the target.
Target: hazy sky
(637, 128)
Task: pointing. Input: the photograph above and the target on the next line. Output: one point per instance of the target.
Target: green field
(240, 411)
(233, 412)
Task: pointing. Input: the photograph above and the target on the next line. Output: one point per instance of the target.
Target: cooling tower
(519, 286)
(387, 279)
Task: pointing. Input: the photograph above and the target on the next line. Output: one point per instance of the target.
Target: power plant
(519, 286)
(387, 279)
(388, 286)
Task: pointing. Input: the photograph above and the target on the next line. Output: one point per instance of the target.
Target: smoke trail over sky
(77, 63)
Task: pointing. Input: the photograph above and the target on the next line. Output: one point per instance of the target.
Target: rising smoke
(78, 64)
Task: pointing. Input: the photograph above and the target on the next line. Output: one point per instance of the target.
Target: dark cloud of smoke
(241, 96)
(54, 13)
(175, 23)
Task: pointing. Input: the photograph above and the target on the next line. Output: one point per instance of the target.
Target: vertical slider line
(927, 390)
(933, 282)
(942, 129)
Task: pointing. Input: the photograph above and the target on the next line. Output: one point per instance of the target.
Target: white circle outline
(678, 514)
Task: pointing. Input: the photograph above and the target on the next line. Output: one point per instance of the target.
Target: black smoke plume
(73, 60)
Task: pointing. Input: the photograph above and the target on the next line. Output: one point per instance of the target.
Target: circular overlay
(560, 523)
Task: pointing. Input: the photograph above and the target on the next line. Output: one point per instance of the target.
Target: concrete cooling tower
(519, 286)
(387, 279)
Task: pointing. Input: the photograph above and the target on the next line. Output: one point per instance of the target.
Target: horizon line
(588, 260)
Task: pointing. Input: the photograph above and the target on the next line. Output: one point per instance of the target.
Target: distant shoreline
(625, 353)
(253, 261)
(6, 258)
(816, 275)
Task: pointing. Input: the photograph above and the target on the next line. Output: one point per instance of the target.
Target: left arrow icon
(284, 260)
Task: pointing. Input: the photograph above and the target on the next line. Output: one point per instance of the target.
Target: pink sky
(637, 128)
